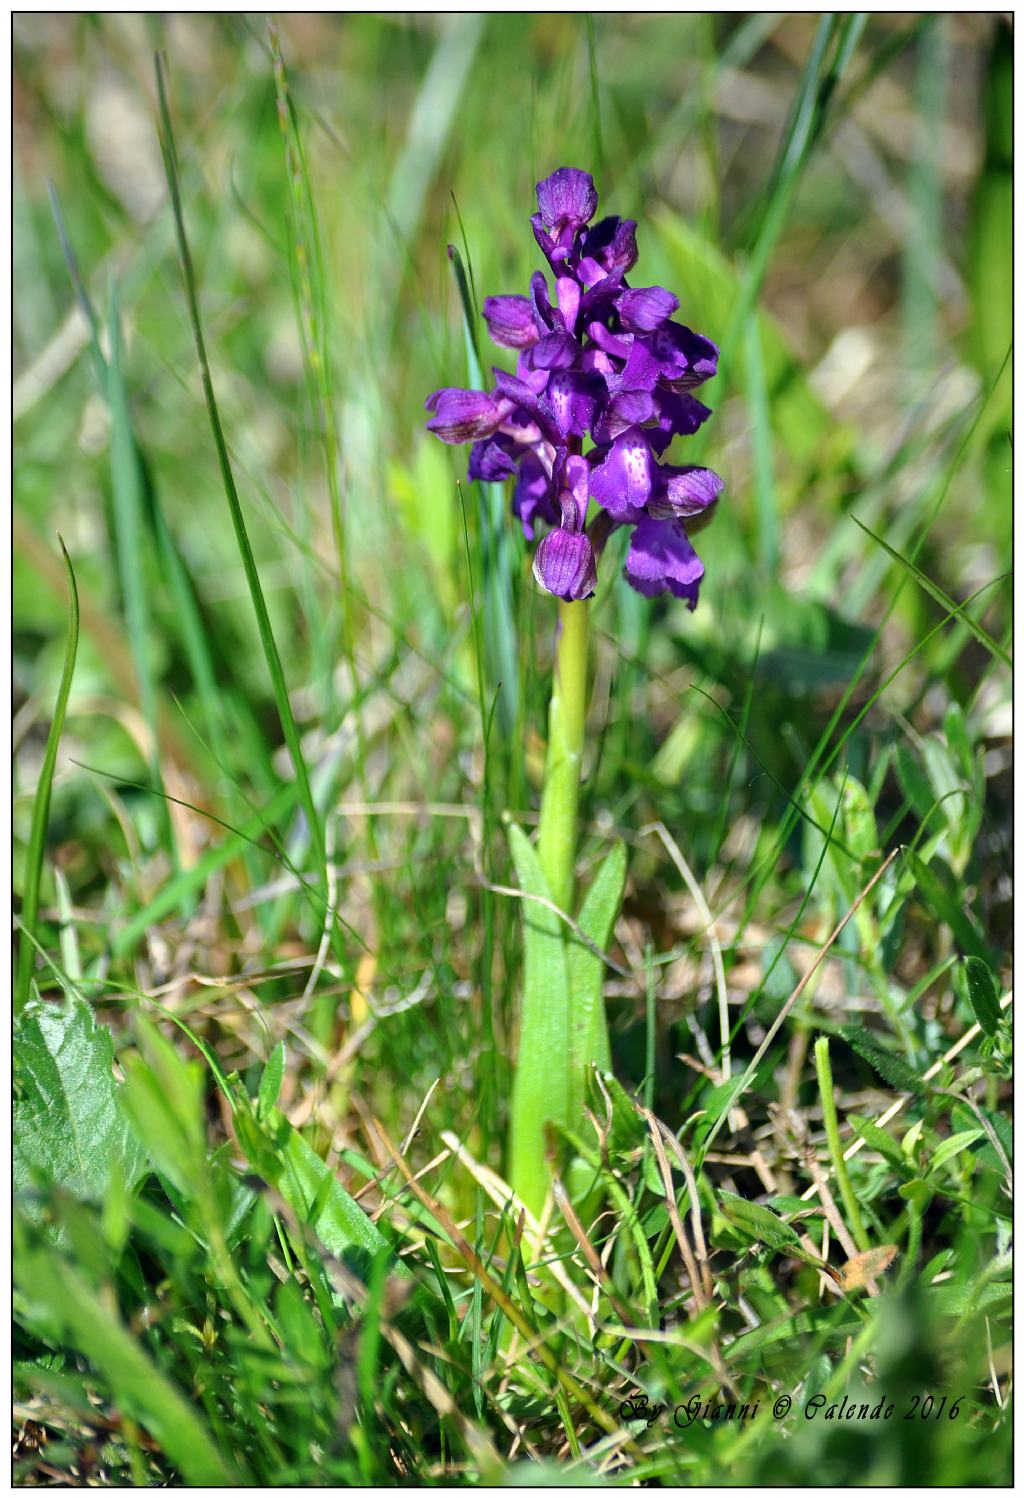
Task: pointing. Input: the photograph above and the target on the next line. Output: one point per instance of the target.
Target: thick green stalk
(556, 845)
(545, 1078)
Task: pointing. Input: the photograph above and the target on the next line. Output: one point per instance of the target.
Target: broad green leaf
(832, 1324)
(953, 1146)
(840, 878)
(914, 784)
(942, 773)
(270, 1082)
(759, 1223)
(302, 1336)
(945, 904)
(541, 1087)
(859, 819)
(876, 1138)
(309, 1185)
(588, 1027)
(936, 1265)
(982, 993)
(163, 1097)
(893, 1069)
(59, 1305)
(716, 1102)
(278, 1153)
(964, 1300)
(918, 1193)
(68, 1126)
(959, 740)
(1003, 1129)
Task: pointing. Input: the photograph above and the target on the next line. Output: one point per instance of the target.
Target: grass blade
(980, 634)
(41, 805)
(66, 1309)
(269, 644)
(206, 662)
(312, 312)
(500, 643)
(126, 483)
(595, 101)
(810, 110)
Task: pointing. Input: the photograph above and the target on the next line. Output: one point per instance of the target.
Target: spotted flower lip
(603, 386)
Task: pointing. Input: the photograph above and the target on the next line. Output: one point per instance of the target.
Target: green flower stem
(835, 1148)
(556, 845)
(545, 1080)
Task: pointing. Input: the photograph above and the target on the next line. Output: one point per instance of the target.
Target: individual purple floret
(602, 386)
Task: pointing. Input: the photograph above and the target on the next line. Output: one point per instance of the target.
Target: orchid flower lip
(601, 360)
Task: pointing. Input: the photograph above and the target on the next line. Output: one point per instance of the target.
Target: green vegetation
(280, 730)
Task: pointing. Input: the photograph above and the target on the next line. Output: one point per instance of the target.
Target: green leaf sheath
(563, 1027)
(540, 1090)
(588, 1025)
(556, 845)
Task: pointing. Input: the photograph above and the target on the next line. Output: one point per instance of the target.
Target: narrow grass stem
(556, 844)
(835, 1148)
(267, 640)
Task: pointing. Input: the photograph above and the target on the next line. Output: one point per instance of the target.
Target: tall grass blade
(595, 103)
(934, 591)
(126, 482)
(187, 615)
(807, 121)
(433, 117)
(312, 309)
(764, 475)
(270, 650)
(500, 642)
(925, 232)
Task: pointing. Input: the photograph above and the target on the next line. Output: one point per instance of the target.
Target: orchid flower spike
(603, 384)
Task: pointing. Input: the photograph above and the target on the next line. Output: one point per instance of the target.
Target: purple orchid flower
(603, 385)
